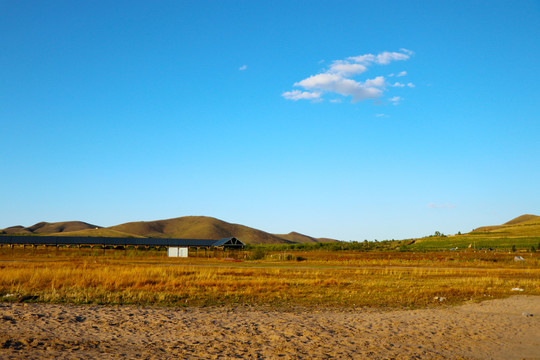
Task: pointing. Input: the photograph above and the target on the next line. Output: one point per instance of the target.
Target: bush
(288, 257)
(258, 254)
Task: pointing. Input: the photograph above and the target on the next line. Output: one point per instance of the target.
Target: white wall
(178, 251)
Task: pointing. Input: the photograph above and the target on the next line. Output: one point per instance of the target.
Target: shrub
(258, 254)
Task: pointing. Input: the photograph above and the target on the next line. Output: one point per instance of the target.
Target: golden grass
(383, 280)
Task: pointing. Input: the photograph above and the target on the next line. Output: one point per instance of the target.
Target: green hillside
(523, 233)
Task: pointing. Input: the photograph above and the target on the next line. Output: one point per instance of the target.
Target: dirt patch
(496, 329)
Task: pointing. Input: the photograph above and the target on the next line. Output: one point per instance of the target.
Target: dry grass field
(323, 278)
(317, 304)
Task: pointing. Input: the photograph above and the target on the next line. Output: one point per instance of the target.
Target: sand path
(495, 329)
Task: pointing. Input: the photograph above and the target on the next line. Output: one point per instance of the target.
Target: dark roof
(117, 241)
(229, 242)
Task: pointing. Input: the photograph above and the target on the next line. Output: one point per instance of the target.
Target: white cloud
(386, 57)
(344, 68)
(242, 68)
(297, 95)
(339, 85)
(409, 52)
(336, 101)
(382, 59)
(403, 73)
(395, 100)
(377, 82)
(382, 115)
(338, 78)
(363, 59)
(411, 85)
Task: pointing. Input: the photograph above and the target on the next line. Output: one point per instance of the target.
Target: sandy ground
(496, 329)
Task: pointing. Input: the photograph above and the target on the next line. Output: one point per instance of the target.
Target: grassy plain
(280, 279)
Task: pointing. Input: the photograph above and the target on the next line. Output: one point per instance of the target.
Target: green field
(521, 233)
(476, 242)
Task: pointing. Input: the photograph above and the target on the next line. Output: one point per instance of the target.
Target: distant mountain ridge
(301, 238)
(204, 227)
(198, 227)
(189, 227)
(49, 228)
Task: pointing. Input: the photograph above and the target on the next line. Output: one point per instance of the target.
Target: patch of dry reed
(387, 281)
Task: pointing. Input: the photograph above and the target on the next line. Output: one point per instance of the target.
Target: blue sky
(344, 119)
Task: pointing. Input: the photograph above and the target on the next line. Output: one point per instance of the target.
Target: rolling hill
(49, 228)
(524, 225)
(198, 227)
(522, 219)
(100, 232)
(301, 238)
(188, 227)
(522, 232)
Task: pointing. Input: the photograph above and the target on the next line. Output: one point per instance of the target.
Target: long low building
(228, 243)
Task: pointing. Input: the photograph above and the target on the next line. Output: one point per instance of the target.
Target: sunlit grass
(347, 279)
(477, 241)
